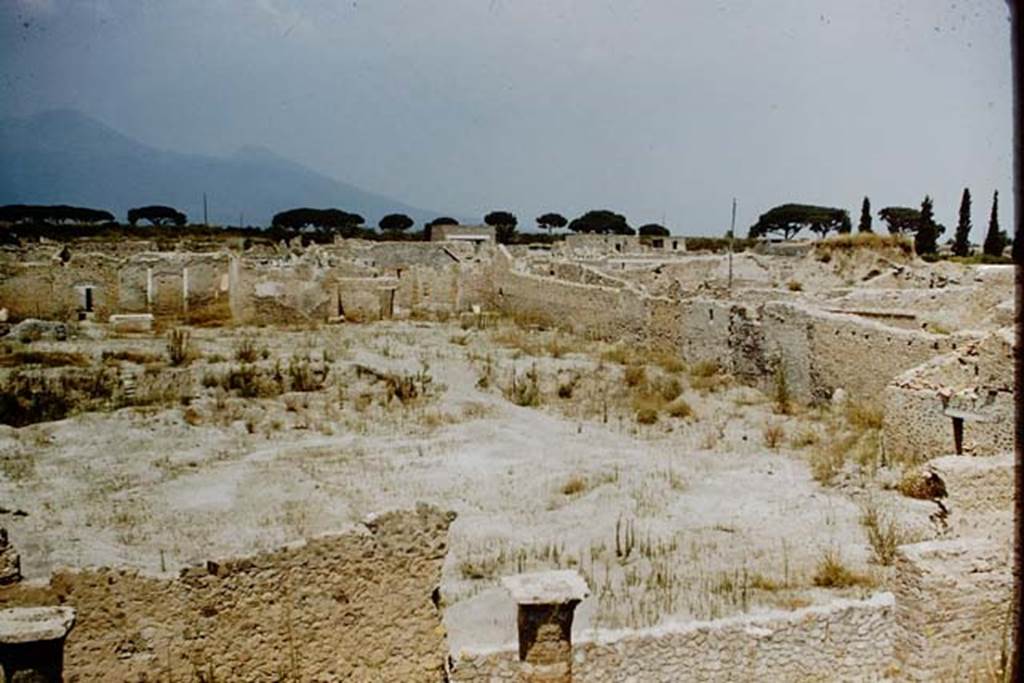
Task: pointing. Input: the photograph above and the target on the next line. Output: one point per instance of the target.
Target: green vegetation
(927, 235)
(995, 239)
(865, 217)
(602, 222)
(789, 219)
(157, 215)
(961, 241)
(504, 224)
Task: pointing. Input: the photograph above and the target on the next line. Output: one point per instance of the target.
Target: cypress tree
(961, 242)
(995, 239)
(865, 216)
(925, 241)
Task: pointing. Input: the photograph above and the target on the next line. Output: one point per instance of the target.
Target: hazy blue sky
(662, 110)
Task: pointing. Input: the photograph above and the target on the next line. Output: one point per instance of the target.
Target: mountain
(65, 157)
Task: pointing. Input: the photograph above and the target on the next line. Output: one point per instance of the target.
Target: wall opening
(87, 299)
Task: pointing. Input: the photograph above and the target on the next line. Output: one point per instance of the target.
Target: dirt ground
(711, 509)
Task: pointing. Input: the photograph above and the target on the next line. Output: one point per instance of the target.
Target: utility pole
(732, 231)
(206, 222)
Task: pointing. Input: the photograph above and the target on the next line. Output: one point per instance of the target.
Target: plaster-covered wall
(356, 606)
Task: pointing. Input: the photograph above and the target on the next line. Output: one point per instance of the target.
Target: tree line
(788, 220)
(325, 224)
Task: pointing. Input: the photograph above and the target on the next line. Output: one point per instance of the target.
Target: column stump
(546, 602)
(32, 643)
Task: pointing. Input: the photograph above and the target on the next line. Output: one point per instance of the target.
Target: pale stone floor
(710, 515)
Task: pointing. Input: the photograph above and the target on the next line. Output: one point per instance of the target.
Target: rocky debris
(32, 329)
(10, 561)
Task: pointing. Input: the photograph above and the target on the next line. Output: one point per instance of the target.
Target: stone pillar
(32, 643)
(546, 602)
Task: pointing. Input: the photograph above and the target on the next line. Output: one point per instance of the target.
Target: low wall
(952, 609)
(845, 640)
(824, 351)
(979, 494)
(976, 379)
(355, 606)
(588, 310)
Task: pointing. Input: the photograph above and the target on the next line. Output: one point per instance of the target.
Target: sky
(660, 110)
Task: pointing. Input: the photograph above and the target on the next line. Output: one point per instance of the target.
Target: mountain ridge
(63, 156)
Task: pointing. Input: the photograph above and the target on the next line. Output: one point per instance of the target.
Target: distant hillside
(68, 158)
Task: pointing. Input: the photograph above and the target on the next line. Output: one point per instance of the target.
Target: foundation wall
(846, 640)
(52, 290)
(355, 606)
(979, 494)
(952, 600)
(977, 379)
(587, 310)
(823, 352)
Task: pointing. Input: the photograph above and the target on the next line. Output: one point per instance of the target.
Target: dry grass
(179, 351)
(921, 485)
(634, 375)
(576, 484)
(646, 416)
(783, 404)
(248, 351)
(679, 408)
(884, 535)
(49, 359)
(806, 436)
(862, 415)
(132, 356)
(864, 240)
(832, 573)
(773, 434)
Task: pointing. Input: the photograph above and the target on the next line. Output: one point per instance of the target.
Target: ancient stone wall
(824, 351)
(56, 289)
(587, 310)
(976, 380)
(952, 609)
(979, 494)
(355, 606)
(844, 640)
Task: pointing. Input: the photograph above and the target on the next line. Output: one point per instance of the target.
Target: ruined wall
(577, 272)
(824, 351)
(976, 378)
(845, 640)
(979, 495)
(172, 284)
(292, 290)
(56, 290)
(587, 310)
(354, 606)
(952, 608)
